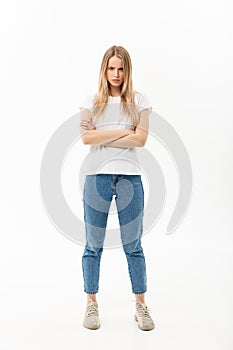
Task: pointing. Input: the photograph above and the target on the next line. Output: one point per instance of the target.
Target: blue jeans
(98, 192)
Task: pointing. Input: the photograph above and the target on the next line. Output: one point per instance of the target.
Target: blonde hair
(127, 93)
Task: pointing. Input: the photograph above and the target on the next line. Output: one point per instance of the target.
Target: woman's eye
(111, 68)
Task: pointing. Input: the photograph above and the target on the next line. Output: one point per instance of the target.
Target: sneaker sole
(92, 328)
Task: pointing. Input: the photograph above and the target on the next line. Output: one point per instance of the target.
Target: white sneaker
(91, 318)
(142, 316)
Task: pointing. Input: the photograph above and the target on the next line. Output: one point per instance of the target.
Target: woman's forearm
(96, 137)
(133, 140)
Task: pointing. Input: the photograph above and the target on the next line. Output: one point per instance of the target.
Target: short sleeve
(142, 102)
(87, 102)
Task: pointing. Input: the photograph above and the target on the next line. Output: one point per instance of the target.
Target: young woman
(114, 121)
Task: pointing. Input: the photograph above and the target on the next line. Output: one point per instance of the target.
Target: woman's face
(115, 73)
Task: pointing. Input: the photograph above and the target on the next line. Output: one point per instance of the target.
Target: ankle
(91, 298)
(140, 298)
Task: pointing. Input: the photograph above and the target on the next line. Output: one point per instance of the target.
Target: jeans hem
(90, 292)
(137, 292)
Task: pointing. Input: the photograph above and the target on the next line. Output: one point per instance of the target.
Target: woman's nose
(116, 73)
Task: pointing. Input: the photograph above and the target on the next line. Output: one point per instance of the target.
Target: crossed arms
(122, 138)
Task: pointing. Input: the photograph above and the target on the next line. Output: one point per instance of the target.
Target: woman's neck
(115, 91)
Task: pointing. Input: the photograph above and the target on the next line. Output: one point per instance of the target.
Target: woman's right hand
(130, 131)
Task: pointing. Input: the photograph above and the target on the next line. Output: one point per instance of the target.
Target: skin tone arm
(136, 138)
(90, 136)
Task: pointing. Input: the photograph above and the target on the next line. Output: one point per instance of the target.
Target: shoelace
(92, 310)
(143, 310)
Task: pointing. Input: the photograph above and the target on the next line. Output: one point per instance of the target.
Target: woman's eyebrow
(114, 67)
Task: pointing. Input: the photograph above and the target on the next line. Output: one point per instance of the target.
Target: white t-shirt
(113, 160)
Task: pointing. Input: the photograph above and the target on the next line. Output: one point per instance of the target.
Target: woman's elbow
(85, 139)
(141, 139)
(143, 142)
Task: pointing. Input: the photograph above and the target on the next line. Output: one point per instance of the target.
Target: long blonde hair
(127, 93)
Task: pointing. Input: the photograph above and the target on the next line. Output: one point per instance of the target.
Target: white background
(182, 59)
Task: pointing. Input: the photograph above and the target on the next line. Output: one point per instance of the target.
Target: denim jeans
(98, 192)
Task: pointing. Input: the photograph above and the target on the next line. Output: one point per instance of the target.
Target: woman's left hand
(87, 125)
